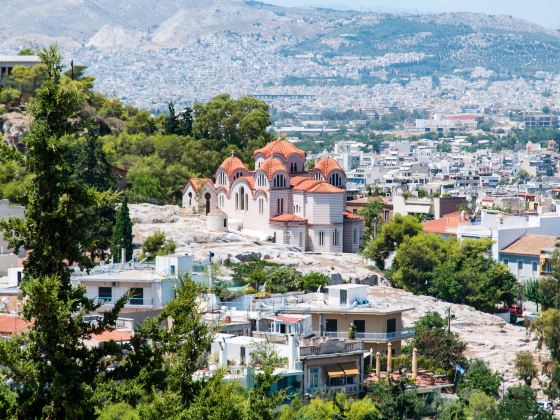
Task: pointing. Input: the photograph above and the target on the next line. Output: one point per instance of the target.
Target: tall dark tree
(94, 169)
(122, 233)
(52, 367)
(180, 124)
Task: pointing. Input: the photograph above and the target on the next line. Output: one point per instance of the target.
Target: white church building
(281, 199)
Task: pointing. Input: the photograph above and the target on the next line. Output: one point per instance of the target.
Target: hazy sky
(544, 12)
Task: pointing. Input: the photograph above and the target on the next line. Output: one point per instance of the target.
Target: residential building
(347, 306)
(524, 256)
(150, 286)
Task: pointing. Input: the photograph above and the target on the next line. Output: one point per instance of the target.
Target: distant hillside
(440, 43)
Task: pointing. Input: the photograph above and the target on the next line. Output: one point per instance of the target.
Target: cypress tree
(55, 374)
(122, 233)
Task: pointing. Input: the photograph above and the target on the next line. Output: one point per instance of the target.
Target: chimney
(223, 352)
(292, 349)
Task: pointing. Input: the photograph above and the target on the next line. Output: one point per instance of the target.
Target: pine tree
(122, 233)
(54, 372)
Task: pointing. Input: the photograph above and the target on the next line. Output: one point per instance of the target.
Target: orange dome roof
(231, 164)
(272, 165)
(279, 147)
(327, 165)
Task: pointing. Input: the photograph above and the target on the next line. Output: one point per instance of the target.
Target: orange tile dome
(279, 147)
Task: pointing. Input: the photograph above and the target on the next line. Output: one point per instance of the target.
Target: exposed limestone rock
(14, 127)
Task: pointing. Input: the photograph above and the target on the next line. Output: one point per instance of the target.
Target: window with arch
(242, 200)
(222, 179)
(335, 179)
(190, 199)
(279, 181)
(261, 180)
(221, 200)
(317, 176)
(321, 238)
(261, 205)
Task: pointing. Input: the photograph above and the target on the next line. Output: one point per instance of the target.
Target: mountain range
(444, 42)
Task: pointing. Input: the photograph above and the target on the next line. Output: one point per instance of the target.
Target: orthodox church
(280, 199)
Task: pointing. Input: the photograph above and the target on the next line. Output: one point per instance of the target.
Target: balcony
(331, 347)
(109, 301)
(373, 337)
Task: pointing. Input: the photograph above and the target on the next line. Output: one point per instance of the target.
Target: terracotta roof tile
(250, 180)
(327, 165)
(531, 245)
(444, 225)
(352, 216)
(296, 180)
(272, 165)
(13, 324)
(287, 218)
(279, 147)
(316, 186)
(114, 335)
(198, 183)
(231, 164)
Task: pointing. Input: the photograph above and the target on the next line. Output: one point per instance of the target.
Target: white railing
(396, 335)
(132, 301)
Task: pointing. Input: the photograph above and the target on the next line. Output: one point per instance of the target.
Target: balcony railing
(330, 348)
(330, 390)
(131, 301)
(390, 336)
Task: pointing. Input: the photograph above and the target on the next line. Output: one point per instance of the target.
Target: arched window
(242, 199)
(190, 199)
(279, 181)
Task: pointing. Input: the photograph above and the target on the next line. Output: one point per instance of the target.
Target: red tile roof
(531, 245)
(198, 183)
(250, 180)
(296, 180)
(287, 218)
(444, 225)
(279, 147)
(114, 335)
(327, 165)
(288, 319)
(13, 324)
(272, 165)
(352, 216)
(316, 186)
(231, 164)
